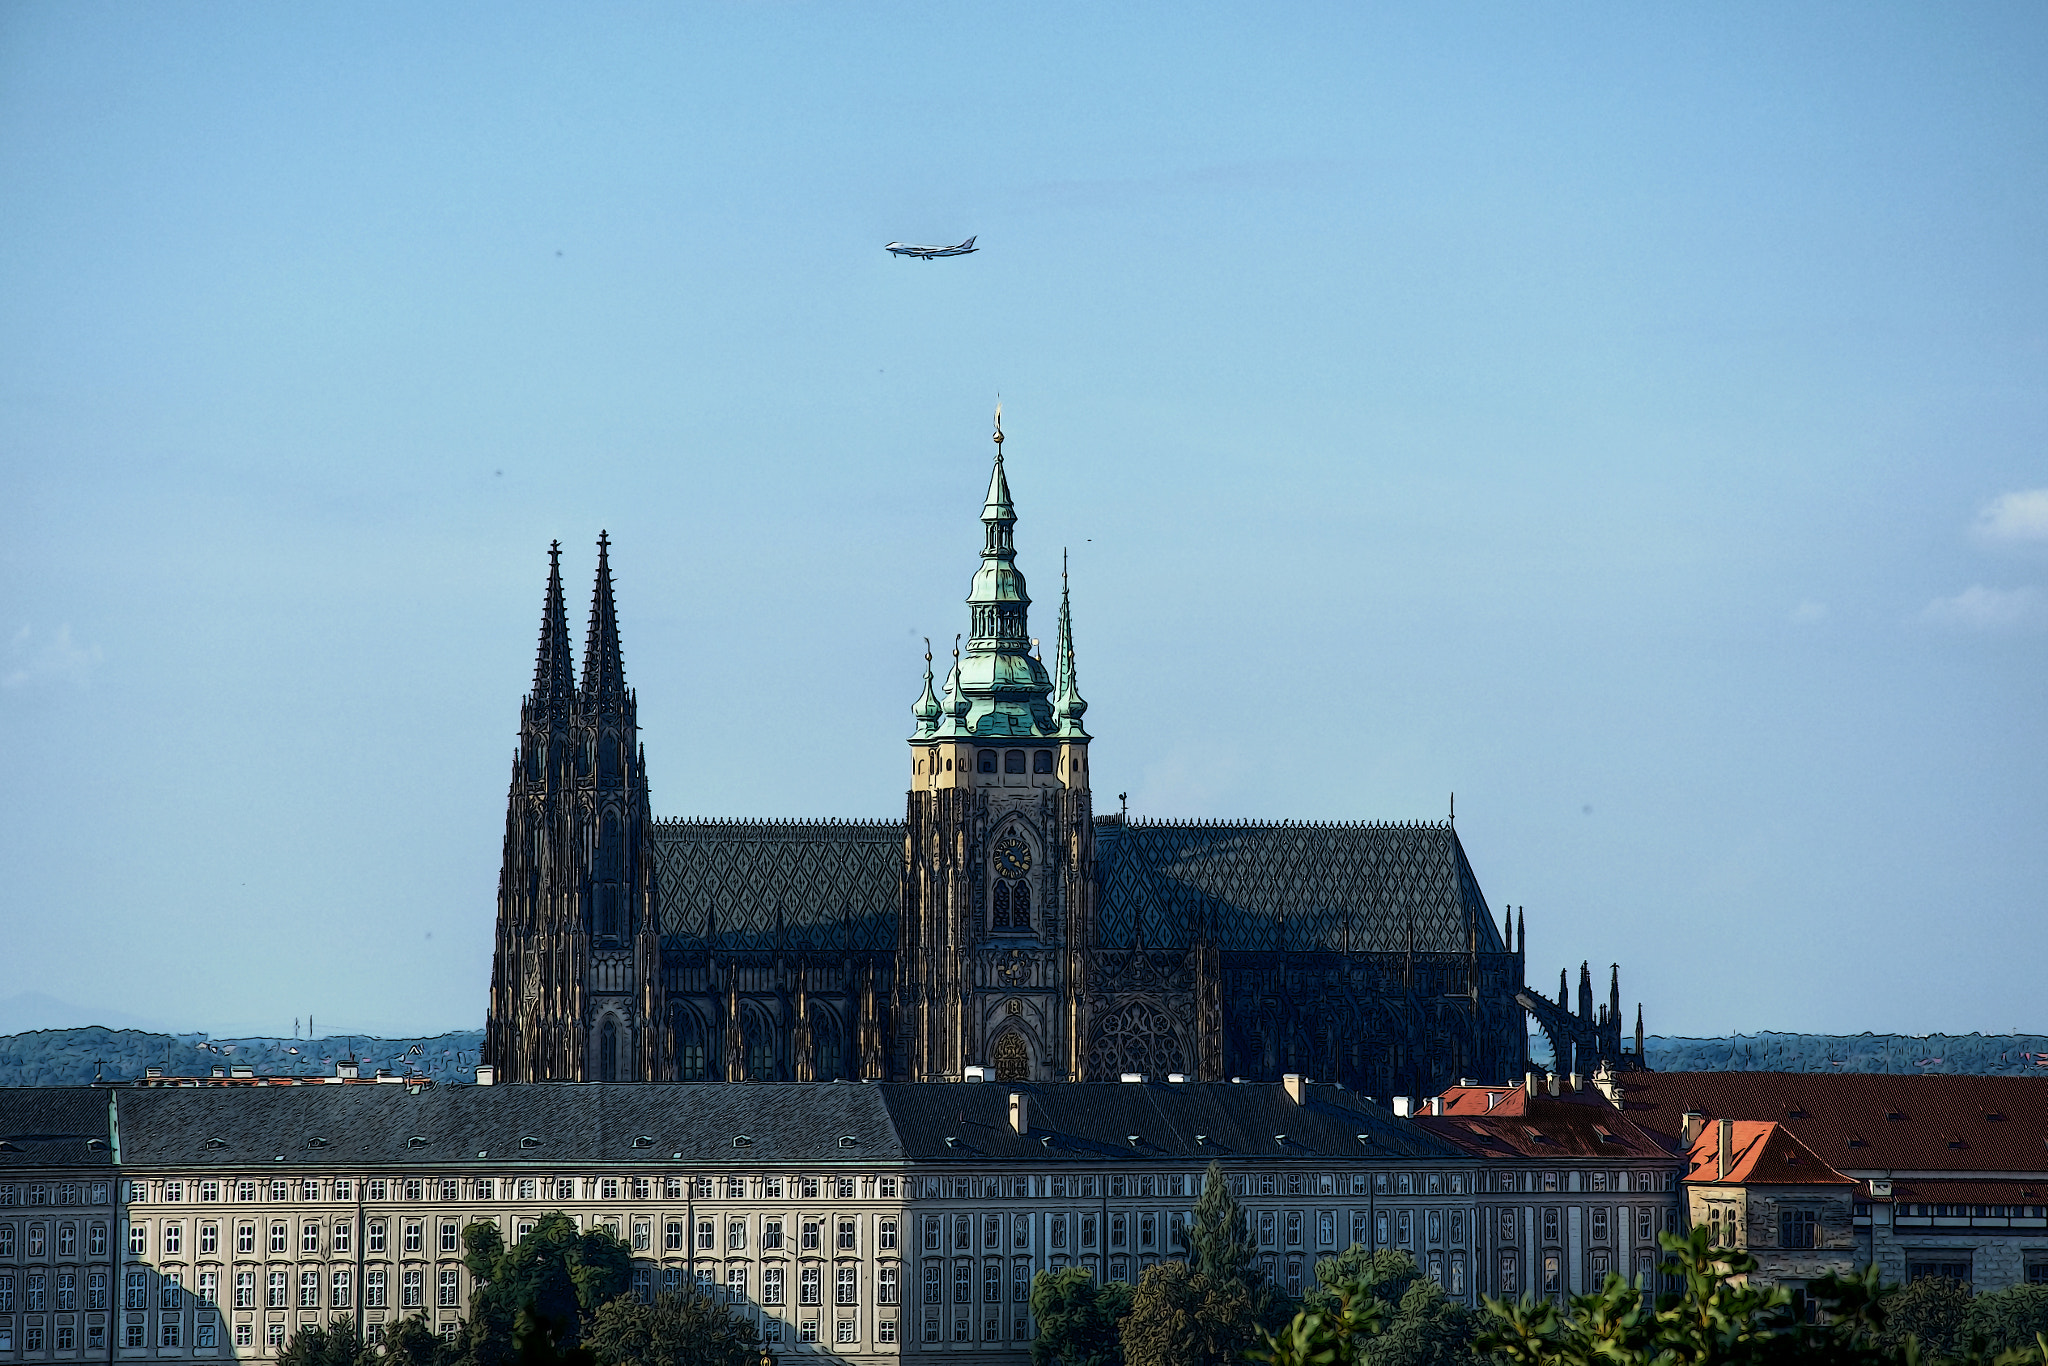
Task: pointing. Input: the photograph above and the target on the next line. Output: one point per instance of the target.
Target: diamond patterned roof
(739, 884)
(1293, 886)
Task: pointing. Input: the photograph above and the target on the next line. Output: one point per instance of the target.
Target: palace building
(1002, 924)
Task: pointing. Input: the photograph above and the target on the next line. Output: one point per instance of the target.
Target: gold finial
(999, 426)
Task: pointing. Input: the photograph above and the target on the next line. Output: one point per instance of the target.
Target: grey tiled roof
(766, 884)
(1262, 886)
(48, 1126)
(570, 1123)
(1194, 1121)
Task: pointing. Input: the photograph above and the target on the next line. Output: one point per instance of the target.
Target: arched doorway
(1012, 1061)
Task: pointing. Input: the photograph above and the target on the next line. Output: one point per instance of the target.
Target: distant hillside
(1984, 1055)
(70, 1057)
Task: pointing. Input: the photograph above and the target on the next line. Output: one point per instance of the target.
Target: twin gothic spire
(554, 671)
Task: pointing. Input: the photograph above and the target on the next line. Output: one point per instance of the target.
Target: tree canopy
(1078, 1320)
(675, 1330)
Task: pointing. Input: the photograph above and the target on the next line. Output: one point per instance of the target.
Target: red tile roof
(1507, 1122)
(1763, 1153)
(1866, 1122)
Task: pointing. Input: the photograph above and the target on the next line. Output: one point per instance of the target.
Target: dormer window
(416, 1142)
(529, 1141)
(644, 1141)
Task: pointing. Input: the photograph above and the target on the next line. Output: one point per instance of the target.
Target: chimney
(1724, 1150)
(152, 1072)
(346, 1070)
(1404, 1107)
(1689, 1126)
(1020, 1112)
(1297, 1087)
(1553, 1083)
(242, 1069)
(486, 1075)
(1608, 1084)
(1529, 1084)
(219, 1071)
(1578, 1084)
(1436, 1105)
(976, 1073)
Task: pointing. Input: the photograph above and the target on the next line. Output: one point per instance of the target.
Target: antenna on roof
(1454, 808)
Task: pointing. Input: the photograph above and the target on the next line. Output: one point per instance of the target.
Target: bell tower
(998, 892)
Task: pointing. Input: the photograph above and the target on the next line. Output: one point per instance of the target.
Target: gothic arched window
(689, 1040)
(826, 1059)
(999, 917)
(1012, 1061)
(608, 1052)
(1020, 906)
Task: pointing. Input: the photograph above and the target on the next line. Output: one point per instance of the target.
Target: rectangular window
(846, 1188)
(413, 1191)
(672, 1235)
(885, 1285)
(340, 1288)
(608, 1188)
(846, 1330)
(992, 1283)
(1796, 1228)
(451, 1295)
(1119, 1230)
(309, 1237)
(36, 1289)
(643, 1236)
(280, 1290)
(412, 1288)
(886, 1188)
(169, 1332)
(342, 1236)
(885, 1330)
(1643, 1224)
(1148, 1230)
(707, 1235)
(309, 1290)
(771, 1285)
(245, 1334)
(963, 1283)
(374, 1235)
(415, 1235)
(1269, 1230)
(846, 1285)
(736, 1280)
(274, 1335)
(174, 1192)
(451, 1189)
(846, 1237)
(209, 1290)
(808, 1285)
(1403, 1230)
(813, 1235)
(245, 1290)
(735, 1234)
(1551, 1221)
(1599, 1222)
(1553, 1277)
(885, 1235)
(1294, 1228)
(373, 1288)
(451, 1237)
(1508, 1282)
(138, 1240)
(96, 1290)
(807, 1331)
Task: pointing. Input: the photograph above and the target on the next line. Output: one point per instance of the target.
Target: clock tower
(998, 889)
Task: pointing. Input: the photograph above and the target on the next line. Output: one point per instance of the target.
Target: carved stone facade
(1002, 924)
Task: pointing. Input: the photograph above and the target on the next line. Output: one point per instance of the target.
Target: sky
(1631, 420)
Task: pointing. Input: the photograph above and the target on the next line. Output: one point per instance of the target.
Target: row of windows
(58, 1290)
(63, 1337)
(418, 1189)
(53, 1193)
(810, 1234)
(42, 1240)
(1918, 1211)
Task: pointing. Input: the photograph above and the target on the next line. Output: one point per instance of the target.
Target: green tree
(1930, 1311)
(541, 1291)
(2007, 1319)
(332, 1344)
(413, 1342)
(1183, 1317)
(1220, 1247)
(1420, 1325)
(675, 1330)
(1077, 1319)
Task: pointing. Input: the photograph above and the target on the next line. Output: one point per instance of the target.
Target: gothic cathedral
(1002, 924)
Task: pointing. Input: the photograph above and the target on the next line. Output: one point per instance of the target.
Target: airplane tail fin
(968, 245)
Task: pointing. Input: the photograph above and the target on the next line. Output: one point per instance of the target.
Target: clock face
(1013, 857)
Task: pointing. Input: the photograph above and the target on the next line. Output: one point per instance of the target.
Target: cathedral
(1003, 928)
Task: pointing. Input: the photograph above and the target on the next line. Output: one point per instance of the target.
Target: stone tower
(576, 975)
(998, 890)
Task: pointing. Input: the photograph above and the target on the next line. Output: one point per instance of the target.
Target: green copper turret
(1007, 692)
(1068, 706)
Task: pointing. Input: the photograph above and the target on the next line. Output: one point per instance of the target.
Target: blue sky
(1631, 420)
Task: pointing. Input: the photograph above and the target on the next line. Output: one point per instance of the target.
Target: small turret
(1068, 706)
(927, 709)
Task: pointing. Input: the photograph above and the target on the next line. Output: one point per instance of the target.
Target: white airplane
(929, 253)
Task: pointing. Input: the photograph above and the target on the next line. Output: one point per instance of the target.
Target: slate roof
(740, 884)
(290, 1128)
(1257, 886)
(1761, 1153)
(1865, 1121)
(1190, 1121)
(1963, 1192)
(1518, 1125)
(54, 1126)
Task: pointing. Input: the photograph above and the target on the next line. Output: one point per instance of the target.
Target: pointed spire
(1522, 930)
(1639, 1033)
(1614, 991)
(927, 709)
(1068, 706)
(1585, 990)
(604, 673)
(554, 674)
